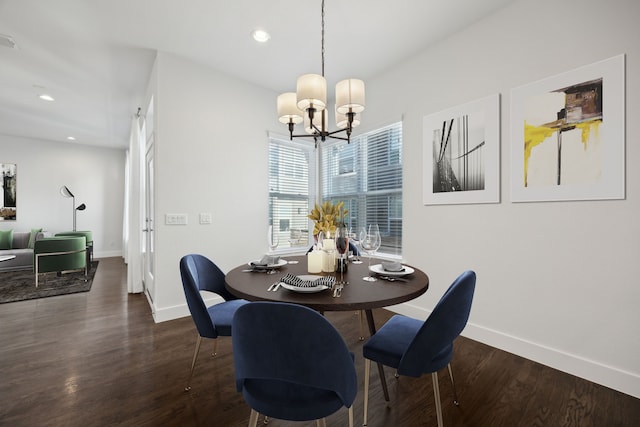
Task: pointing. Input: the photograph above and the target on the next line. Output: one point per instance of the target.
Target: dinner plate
(278, 264)
(377, 268)
(305, 290)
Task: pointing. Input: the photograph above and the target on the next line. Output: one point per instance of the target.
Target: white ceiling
(95, 56)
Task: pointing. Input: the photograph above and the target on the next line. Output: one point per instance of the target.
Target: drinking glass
(342, 246)
(272, 238)
(370, 242)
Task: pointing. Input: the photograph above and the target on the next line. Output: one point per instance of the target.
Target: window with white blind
(367, 175)
(291, 190)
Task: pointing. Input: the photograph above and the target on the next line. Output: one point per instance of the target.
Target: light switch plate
(205, 218)
(176, 219)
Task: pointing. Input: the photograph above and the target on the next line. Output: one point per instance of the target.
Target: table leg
(372, 331)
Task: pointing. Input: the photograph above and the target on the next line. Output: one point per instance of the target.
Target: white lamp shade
(311, 89)
(350, 96)
(342, 121)
(317, 121)
(288, 111)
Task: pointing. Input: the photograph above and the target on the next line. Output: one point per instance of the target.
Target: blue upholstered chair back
(432, 347)
(279, 348)
(200, 273)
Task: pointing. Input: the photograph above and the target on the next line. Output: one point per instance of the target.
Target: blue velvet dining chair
(199, 273)
(414, 347)
(291, 363)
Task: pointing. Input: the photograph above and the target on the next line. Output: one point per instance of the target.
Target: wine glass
(370, 242)
(272, 239)
(342, 245)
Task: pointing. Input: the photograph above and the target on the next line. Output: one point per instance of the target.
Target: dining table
(389, 289)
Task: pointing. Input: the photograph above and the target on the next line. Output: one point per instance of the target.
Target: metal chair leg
(351, 416)
(253, 418)
(361, 315)
(453, 385)
(436, 393)
(321, 422)
(215, 347)
(367, 369)
(193, 362)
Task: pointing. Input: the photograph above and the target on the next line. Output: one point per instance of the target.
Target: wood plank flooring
(98, 359)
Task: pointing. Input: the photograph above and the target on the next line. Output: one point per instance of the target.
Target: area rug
(21, 285)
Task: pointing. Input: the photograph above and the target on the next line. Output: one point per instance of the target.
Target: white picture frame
(461, 154)
(568, 135)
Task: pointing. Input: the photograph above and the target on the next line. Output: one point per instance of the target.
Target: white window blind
(291, 190)
(367, 175)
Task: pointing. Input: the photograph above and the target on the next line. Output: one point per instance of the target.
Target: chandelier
(309, 104)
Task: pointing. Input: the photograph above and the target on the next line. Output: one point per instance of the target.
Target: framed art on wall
(567, 135)
(461, 154)
(8, 191)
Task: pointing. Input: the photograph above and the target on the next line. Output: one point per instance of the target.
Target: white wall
(94, 175)
(211, 157)
(557, 282)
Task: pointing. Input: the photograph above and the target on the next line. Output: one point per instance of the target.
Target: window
(291, 190)
(367, 175)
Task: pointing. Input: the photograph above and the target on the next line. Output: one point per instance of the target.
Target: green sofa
(58, 254)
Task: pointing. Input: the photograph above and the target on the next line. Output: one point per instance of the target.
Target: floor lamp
(67, 193)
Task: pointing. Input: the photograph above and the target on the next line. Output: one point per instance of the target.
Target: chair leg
(453, 385)
(351, 416)
(215, 347)
(436, 393)
(193, 362)
(253, 418)
(367, 370)
(361, 316)
(322, 422)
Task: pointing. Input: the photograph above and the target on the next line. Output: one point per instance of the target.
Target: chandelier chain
(322, 34)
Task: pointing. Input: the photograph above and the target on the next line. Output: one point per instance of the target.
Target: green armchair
(88, 237)
(60, 253)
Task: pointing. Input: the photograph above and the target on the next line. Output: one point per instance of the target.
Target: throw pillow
(32, 237)
(6, 239)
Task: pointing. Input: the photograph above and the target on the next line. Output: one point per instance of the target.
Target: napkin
(392, 266)
(292, 280)
(266, 261)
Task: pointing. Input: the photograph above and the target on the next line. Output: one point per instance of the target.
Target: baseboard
(107, 254)
(177, 311)
(608, 376)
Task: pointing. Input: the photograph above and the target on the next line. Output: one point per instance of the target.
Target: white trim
(608, 376)
(180, 310)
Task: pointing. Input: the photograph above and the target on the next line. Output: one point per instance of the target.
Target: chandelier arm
(323, 133)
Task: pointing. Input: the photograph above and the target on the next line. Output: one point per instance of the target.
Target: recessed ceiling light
(46, 97)
(261, 36)
(71, 138)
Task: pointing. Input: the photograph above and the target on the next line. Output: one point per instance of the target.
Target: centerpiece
(327, 217)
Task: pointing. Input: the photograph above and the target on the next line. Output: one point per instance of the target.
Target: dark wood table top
(358, 295)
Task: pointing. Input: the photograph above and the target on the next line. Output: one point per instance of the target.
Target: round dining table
(357, 295)
(253, 285)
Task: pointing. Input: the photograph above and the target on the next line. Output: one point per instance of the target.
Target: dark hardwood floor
(98, 359)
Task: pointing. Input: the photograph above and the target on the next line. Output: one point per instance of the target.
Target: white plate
(305, 290)
(279, 264)
(377, 268)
